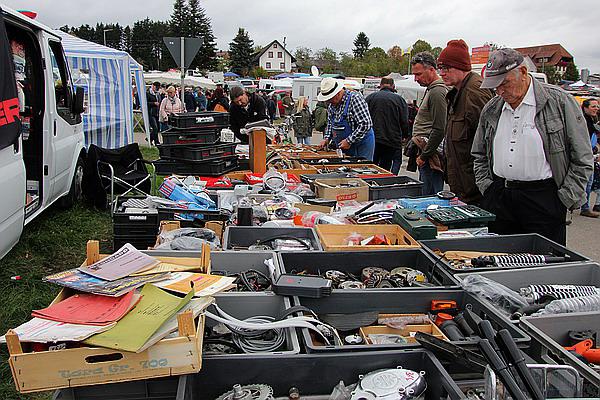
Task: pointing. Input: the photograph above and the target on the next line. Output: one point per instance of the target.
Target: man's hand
(344, 144)
(420, 161)
(323, 144)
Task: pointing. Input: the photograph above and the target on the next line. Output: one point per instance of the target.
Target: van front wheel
(75, 193)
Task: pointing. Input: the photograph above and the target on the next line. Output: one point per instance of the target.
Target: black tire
(75, 193)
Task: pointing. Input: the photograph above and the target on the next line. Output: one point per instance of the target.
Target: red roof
(555, 52)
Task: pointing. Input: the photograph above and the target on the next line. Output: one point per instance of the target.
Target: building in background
(275, 58)
(549, 55)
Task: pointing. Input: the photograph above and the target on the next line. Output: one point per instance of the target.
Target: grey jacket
(564, 135)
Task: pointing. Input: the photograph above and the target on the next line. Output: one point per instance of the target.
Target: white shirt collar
(529, 98)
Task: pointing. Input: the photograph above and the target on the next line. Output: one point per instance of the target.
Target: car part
(248, 392)
(392, 384)
(516, 260)
(353, 339)
(451, 352)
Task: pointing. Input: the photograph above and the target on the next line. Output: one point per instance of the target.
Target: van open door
(12, 168)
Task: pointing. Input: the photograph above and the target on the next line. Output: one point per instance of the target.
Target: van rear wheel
(75, 193)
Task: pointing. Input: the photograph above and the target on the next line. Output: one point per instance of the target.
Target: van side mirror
(77, 106)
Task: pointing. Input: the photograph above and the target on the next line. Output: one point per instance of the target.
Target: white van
(45, 163)
(308, 86)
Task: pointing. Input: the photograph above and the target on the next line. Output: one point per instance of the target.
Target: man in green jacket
(465, 101)
(532, 151)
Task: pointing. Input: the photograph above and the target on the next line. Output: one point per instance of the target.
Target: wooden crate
(407, 332)
(82, 366)
(382, 172)
(333, 237)
(167, 226)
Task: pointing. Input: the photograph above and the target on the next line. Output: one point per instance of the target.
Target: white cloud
(335, 23)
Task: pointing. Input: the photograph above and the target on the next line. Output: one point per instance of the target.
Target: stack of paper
(46, 331)
(125, 261)
(89, 309)
(131, 333)
(202, 284)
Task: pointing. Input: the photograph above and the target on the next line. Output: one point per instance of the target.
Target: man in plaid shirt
(349, 122)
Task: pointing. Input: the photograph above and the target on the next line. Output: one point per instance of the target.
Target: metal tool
(451, 352)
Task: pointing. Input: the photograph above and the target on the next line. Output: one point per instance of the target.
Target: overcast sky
(335, 23)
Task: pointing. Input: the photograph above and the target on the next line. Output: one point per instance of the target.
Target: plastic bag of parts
(194, 197)
(508, 301)
(303, 190)
(275, 181)
(312, 218)
(190, 239)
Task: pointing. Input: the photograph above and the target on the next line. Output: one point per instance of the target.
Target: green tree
(436, 51)
(126, 40)
(200, 26)
(180, 19)
(551, 74)
(259, 72)
(240, 53)
(303, 56)
(571, 73)
(361, 45)
(395, 52)
(419, 46)
(327, 60)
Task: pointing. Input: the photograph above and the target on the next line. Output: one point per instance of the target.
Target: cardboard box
(304, 208)
(334, 237)
(335, 189)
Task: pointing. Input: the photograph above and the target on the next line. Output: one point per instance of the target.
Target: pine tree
(180, 18)
(241, 52)
(571, 73)
(127, 45)
(200, 26)
(361, 45)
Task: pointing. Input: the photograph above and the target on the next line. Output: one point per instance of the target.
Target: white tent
(106, 77)
(578, 84)
(174, 78)
(409, 89)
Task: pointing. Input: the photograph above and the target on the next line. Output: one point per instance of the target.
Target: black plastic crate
(233, 262)
(526, 243)
(170, 388)
(317, 262)
(237, 237)
(142, 223)
(192, 136)
(208, 168)
(401, 302)
(318, 375)
(202, 216)
(196, 152)
(140, 242)
(204, 119)
(393, 187)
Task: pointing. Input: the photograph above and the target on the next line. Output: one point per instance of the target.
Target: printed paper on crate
(45, 331)
(89, 309)
(204, 284)
(133, 330)
(77, 280)
(125, 261)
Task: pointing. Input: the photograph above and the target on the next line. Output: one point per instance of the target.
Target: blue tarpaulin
(106, 77)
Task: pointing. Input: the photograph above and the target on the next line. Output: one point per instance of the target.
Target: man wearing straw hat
(349, 123)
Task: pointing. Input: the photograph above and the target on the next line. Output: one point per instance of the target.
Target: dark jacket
(213, 103)
(151, 99)
(389, 113)
(240, 116)
(271, 108)
(189, 101)
(303, 124)
(320, 116)
(564, 136)
(591, 126)
(201, 102)
(464, 108)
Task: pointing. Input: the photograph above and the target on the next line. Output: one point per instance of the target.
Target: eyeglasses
(443, 68)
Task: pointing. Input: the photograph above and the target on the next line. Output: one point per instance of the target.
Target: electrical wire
(258, 341)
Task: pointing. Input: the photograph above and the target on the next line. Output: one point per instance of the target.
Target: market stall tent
(106, 77)
(174, 78)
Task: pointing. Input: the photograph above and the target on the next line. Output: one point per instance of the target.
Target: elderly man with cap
(532, 151)
(465, 101)
(349, 123)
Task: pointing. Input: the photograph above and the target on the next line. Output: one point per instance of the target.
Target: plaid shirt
(358, 116)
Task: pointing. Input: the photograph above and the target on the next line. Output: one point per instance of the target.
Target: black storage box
(208, 168)
(203, 119)
(196, 152)
(232, 262)
(139, 228)
(401, 302)
(191, 136)
(317, 262)
(393, 187)
(244, 236)
(526, 243)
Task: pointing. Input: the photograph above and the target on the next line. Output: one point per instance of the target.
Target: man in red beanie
(465, 101)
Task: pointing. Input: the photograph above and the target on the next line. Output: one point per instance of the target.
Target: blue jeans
(303, 140)
(365, 148)
(588, 191)
(433, 180)
(396, 161)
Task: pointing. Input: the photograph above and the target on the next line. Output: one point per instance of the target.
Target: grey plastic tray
(317, 262)
(551, 332)
(401, 302)
(526, 243)
(318, 375)
(238, 261)
(244, 236)
(171, 388)
(242, 306)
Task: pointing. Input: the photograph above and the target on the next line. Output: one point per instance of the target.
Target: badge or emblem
(489, 63)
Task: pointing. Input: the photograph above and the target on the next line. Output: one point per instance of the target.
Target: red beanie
(456, 54)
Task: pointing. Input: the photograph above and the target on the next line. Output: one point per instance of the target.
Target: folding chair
(115, 171)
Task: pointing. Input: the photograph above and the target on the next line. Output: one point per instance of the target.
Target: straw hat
(329, 88)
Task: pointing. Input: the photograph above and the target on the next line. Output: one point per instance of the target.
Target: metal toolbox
(525, 243)
(244, 236)
(393, 187)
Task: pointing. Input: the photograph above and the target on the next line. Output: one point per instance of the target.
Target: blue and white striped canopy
(108, 121)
